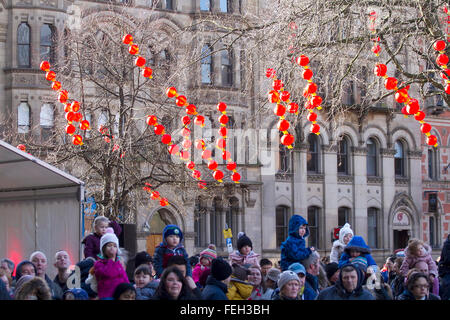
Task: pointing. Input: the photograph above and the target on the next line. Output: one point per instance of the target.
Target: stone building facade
(362, 172)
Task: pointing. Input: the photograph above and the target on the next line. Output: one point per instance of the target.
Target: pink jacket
(237, 257)
(109, 275)
(197, 272)
(410, 261)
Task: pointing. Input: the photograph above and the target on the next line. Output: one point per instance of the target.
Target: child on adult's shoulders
(357, 247)
(92, 241)
(204, 264)
(244, 253)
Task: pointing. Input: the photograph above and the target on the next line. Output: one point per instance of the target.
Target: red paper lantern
(314, 128)
(400, 96)
(307, 74)
(187, 144)
(293, 107)
(442, 59)
(425, 127)
(77, 140)
(376, 49)
(420, 115)
(200, 120)
(206, 154)
(405, 111)
(70, 129)
(50, 75)
(390, 83)
(445, 74)
(277, 85)
(147, 72)
(223, 131)
(174, 149)
(67, 107)
(270, 73)
(201, 185)
(75, 106)
(413, 106)
(274, 96)
(166, 139)
(302, 60)
(45, 66)
(140, 61)
(163, 202)
(312, 116)
(221, 106)
(279, 110)
(191, 109)
(63, 96)
(133, 49)
(287, 139)
(196, 174)
(84, 125)
(218, 175)
(70, 116)
(186, 132)
(56, 85)
(223, 119)
(226, 155)
(190, 165)
(236, 177)
(180, 101)
(185, 154)
(77, 117)
(380, 70)
(171, 92)
(231, 166)
(151, 120)
(285, 95)
(311, 88)
(155, 195)
(21, 147)
(212, 165)
(199, 144)
(439, 45)
(308, 105)
(221, 143)
(431, 140)
(316, 101)
(283, 125)
(159, 129)
(186, 120)
(447, 88)
(127, 39)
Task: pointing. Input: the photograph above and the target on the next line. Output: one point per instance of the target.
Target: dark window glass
(343, 216)
(313, 226)
(399, 159)
(47, 43)
(281, 221)
(371, 158)
(169, 4)
(23, 45)
(206, 64)
(342, 156)
(372, 226)
(432, 233)
(227, 68)
(312, 157)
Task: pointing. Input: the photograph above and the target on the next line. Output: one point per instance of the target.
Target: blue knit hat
(172, 229)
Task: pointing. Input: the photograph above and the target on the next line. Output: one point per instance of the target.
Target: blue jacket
(163, 253)
(214, 289)
(147, 292)
(359, 244)
(293, 249)
(312, 285)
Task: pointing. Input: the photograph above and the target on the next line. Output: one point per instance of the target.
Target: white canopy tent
(40, 208)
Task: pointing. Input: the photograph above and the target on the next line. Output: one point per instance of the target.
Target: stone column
(300, 179)
(360, 190)
(387, 195)
(329, 191)
(415, 188)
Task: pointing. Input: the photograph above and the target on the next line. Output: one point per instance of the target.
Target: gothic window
(343, 156)
(371, 159)
(206, 64)
(312, 157)
(23, 45)
(227, 68)
(343, 216)
(372, 226)
(281, 224)
(313, 226)
(399, 159)
(48, 43)
(23, 118)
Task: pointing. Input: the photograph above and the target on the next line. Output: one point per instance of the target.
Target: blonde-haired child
(418, 251)
(92, 241)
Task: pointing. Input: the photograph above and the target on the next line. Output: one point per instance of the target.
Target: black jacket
(444, 261)
(214, 289)
(406, 295)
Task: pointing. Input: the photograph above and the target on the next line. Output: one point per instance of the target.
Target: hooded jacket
(444, 261)
(407, 295)
(92, 241)
(359, 244)
(411, 260)
(338, 292)
(109, 275)
(239, 290)
(239, 258)
(163, 252)
(339, 245)
(214, 289)
(147, 292)
(293, 249)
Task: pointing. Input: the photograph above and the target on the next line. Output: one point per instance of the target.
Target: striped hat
(209, 253)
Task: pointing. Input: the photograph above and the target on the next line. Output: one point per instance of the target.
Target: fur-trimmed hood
(425, 246)
(35, 287)
(357, 243)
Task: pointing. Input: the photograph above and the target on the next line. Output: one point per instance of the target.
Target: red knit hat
(209, 253)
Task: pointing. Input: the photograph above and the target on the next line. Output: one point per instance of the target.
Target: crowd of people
(348, 273)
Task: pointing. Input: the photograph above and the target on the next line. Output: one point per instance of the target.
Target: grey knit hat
(285, 277)
(273, 274)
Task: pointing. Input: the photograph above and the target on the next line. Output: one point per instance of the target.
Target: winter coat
(86, 265)
(214, 289)
(55, 290)
(338, 292)
(411, 260)
(339, 245)
(312, 285)
(147, 292)
(293, 249)
(4, 294)
(109, 274)
(197, 272)
(92, 241)
(444, 287)
(359, 244)
(258, 294)
(240, 259)
(444, 260)
(239, 290)
(407, 295)
(398, 285)
(163, 253)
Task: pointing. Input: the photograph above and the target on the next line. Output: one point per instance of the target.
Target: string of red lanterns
(72, 110)
(155, 195)
(442, 61)
(412, 106)
(140, 61)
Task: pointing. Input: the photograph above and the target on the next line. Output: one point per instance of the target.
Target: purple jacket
(92, 241)
(109, 275)
(410, 261)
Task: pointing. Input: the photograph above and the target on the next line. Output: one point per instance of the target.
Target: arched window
(206, 64)
(23, 45)
(372, 227)
(48, 41)
(227, 68)
(433, 164)
(205, 5)
(103, 119)
(313, 226)
(281, 224)
(343, 156)
(371, 159)
(23, 118)
(47, 116)
(399, 159)
(343, 216)
(312, 157)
